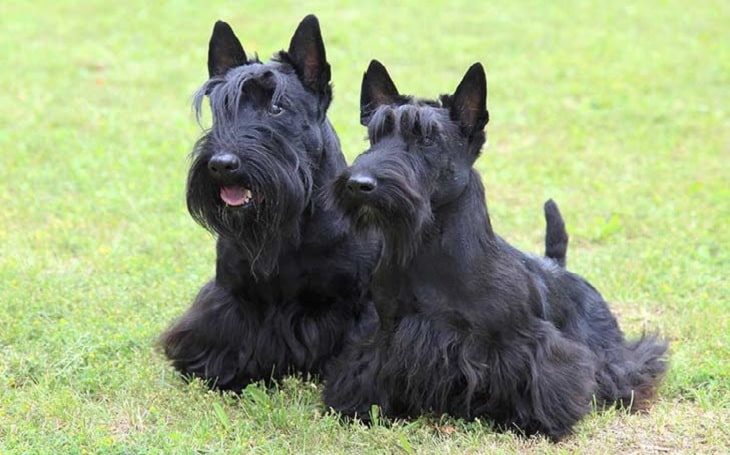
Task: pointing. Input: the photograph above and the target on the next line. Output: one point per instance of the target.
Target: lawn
(620, 111)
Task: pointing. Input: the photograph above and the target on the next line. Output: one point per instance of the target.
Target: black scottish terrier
(291, 283)
(469, 325)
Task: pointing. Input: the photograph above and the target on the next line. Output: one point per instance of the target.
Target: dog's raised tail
(556, 237)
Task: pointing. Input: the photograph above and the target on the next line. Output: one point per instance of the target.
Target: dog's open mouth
(236, 196)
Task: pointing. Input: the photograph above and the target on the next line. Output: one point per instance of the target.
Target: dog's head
(253, 172)
(420, 157)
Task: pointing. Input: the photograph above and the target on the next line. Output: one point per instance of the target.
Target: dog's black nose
(223, 164)
(361, 184)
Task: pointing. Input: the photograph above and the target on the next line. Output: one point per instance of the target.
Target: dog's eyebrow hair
(381, 123)
(417, 120)
(225, 91)
(411, 119)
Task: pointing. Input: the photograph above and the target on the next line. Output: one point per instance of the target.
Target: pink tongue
(235, 195)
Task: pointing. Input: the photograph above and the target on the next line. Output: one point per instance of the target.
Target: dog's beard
(398, 213)
(262, 212)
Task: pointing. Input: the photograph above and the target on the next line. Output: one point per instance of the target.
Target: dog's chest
(317, 282)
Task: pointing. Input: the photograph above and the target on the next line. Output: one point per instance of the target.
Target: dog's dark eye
(275, 109)
(425, 141)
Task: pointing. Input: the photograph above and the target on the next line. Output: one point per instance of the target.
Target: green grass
(620, 111)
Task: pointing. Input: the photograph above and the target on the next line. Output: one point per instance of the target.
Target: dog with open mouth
(291, 282)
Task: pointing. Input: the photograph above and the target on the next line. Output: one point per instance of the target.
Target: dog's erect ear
(469, 101)
(307, 54)
(224, 50)
(377, 90)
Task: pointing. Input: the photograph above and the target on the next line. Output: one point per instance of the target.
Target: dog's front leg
(214, 340)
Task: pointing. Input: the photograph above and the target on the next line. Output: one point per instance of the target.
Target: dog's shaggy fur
(291, 282)
(469, 325)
